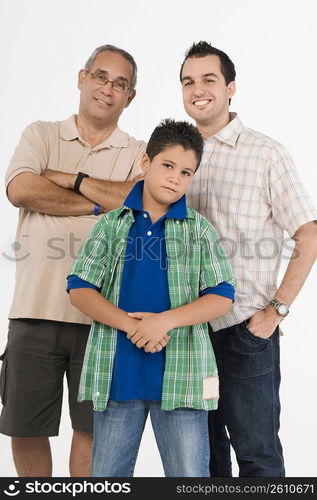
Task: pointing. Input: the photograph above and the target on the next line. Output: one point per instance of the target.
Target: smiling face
(205, 93)
(167, 177)
(99, 103)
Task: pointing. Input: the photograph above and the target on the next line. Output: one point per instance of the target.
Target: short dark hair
(202, 49)
(112, 48)
(171, 133)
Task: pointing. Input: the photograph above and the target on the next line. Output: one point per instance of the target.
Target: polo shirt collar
(230, 133)
(69, 132)
(134, 201)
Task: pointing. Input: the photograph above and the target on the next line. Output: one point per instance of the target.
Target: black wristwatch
(78, 180)
(280, 308)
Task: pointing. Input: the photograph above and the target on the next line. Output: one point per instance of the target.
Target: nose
(174, 177)
(198, 90)
(107, 88)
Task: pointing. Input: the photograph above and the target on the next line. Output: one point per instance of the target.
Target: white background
(273, 45)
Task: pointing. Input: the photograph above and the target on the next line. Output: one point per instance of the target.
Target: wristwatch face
(282, 310)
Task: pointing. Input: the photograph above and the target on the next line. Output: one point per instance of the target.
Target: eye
(187, 83)
(100, 77)
(167, 165)
(119, 85)
(209, 80)
(186, 172)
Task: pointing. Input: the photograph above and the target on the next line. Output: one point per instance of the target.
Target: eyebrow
(121, 78)
(203, 76)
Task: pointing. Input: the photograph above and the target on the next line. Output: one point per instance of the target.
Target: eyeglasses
(101, 78)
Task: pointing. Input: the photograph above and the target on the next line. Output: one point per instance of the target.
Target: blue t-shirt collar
(134, 201)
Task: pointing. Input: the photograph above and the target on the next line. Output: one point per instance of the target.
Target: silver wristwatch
(280, 308)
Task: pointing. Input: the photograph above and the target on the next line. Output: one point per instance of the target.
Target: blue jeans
(249, 405)
(181, 436)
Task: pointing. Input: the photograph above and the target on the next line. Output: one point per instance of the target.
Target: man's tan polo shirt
(48, 244)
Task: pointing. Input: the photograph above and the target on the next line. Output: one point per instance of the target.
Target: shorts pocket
(3, 358)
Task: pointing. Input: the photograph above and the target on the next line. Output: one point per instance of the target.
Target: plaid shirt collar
(230, 133)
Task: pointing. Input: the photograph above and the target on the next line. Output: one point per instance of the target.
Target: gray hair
(111, 48)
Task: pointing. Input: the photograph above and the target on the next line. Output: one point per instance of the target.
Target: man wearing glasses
(62, 176)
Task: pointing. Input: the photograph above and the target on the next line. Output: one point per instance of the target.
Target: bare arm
(39, 194)
(92, 303)
(108, 194)
(153, 327)
(263, 323)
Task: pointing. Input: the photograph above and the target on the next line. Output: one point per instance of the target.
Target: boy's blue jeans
(181, 436)
(249, 405)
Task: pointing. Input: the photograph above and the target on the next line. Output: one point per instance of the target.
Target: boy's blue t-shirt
(144, 288)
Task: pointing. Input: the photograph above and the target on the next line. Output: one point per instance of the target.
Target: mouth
(102, 101)
(169, 189)
(201, 102)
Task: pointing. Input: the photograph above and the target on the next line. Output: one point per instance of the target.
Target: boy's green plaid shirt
(195, 261)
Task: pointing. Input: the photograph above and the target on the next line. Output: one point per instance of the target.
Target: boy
(159, 257)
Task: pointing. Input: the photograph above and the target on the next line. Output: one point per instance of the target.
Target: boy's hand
(159, 346)
(152, 328)
(131, 326)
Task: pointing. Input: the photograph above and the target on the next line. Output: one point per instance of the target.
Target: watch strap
(79, 178)
(276, 304)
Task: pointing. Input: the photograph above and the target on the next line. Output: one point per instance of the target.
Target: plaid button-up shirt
(248, 187)
(196, 261)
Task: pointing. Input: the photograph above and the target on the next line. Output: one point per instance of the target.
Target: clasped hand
(151, 331)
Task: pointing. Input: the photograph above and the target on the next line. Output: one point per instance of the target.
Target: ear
(231, 89)
(131, 96)
(145, 163)
(81, 77)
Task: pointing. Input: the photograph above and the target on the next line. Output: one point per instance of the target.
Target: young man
(62, 175)
(155, 256)
(248, 187)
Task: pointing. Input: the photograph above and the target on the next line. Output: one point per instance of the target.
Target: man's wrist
(78, 181)
(281, 309)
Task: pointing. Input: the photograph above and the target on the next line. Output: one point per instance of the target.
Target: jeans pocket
(261, 340)
(244, 355)
(3, 358)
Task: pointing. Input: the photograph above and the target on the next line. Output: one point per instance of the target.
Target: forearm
(300, 264)
(201, 310)
(94, 305)
(107, 194)
(39, 194)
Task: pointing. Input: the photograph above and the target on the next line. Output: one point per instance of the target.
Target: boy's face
(168, 176)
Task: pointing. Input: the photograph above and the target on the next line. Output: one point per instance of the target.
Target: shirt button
(149, 233)
(204, 189)
(145, 216)
(97, 394)
(177, 222)
(122, 240)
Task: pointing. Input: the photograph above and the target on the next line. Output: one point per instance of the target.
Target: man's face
(168, 175)
(103, 103)
(205, 93)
